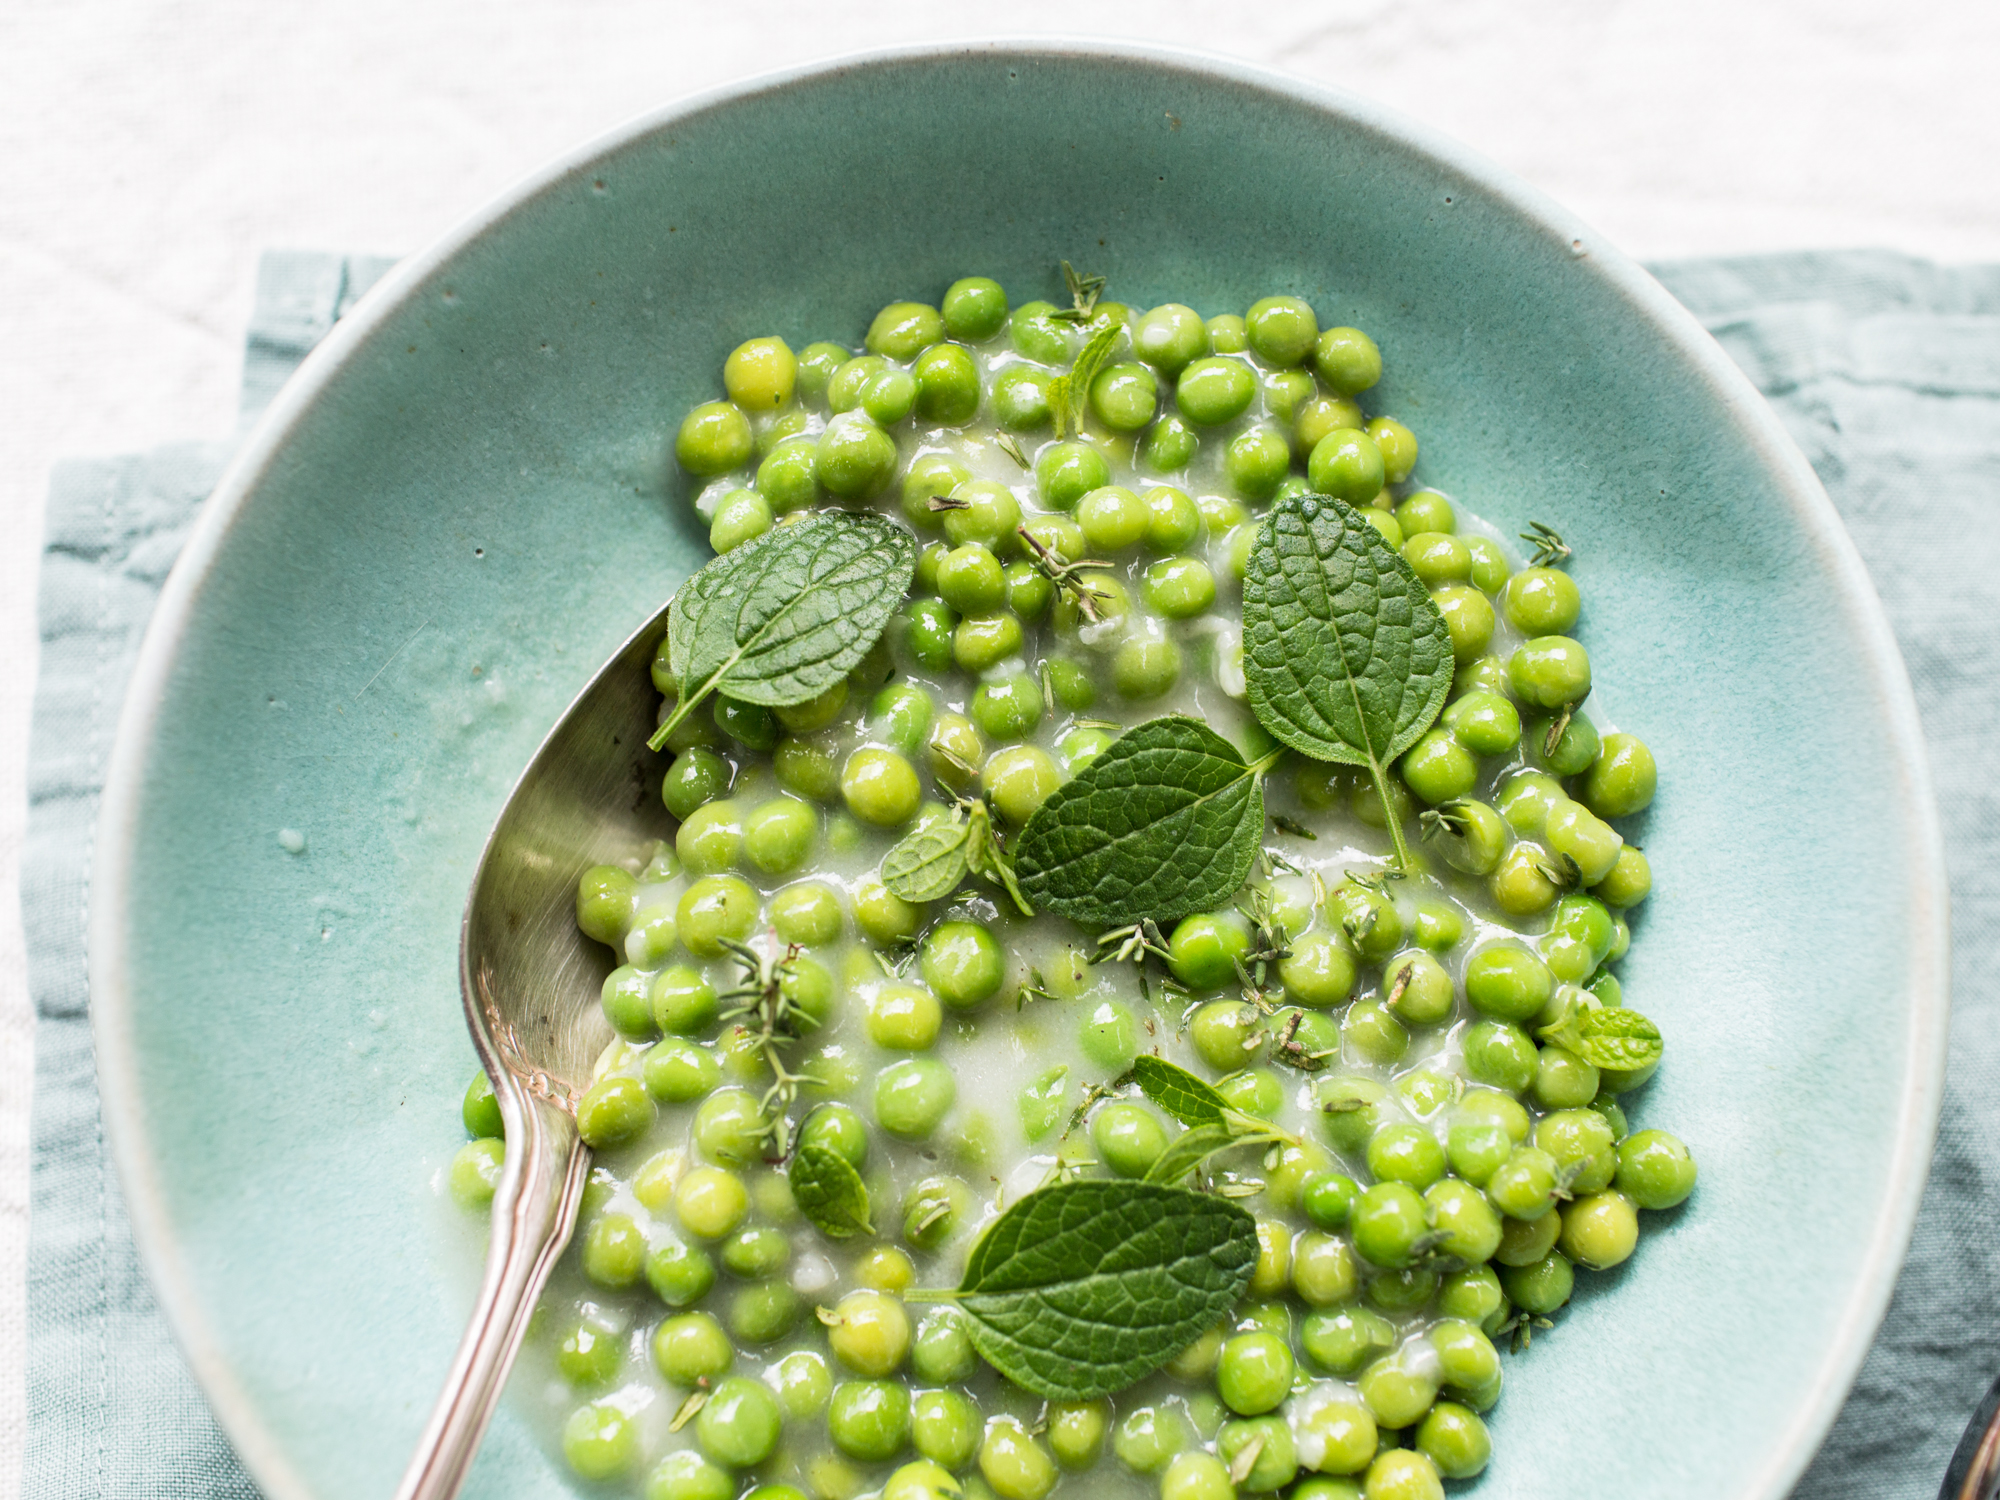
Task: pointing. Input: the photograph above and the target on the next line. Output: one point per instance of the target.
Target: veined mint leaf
(929, 864)
(829, 1192)
(1081, 1289)
(1189, 1150)
(782, 618)
(1165, 822)
(1069, 395)
(1616, 1037)
(1189, 1099)
(1345, 656)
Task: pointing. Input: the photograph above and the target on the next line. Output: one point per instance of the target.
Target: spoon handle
(1975, 1468)
(534, 1210)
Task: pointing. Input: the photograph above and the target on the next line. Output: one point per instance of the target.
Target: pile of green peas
(1444, 1167)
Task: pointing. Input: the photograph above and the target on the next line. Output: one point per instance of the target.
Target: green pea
(1418, 989)
(1172, 521)
(1013, 1463)
(1149, 1437)
(903, 1018)
(1599, 1230)
(1018, 780)
(714, 438)
(692, 1349)
(1029, 592)
(1655, 1169)
(1522, 884)
(982, 642)
(1550, 671)
(944, 1428)
(614, 1250)
(1541, 1286)
(1347, 465)
(1008, 708)
(930, 557)
(1324, 1270)
(1169, 336)
(1257, 1092)
(1319, 415)
(696, 777)
(984, 513)
(730, 1128)
(1254, 1373)
(1525, 1185)
(1508, 982)
(613, 1111)
(971, 579)
(869, 1420)
(1438, 768)
(1319, 971)
(955, 751)
(1622, 780)
(1583, 838)
(1342, 1340)
(749, 724)
(475, 1171)
(1035, 331)
(1109, 1036)
(927, 636)
(1469, 1226)
(1455, 1441)
(1471, 1296)
(779, 835)
(929, 477)
(1144, 668)
(1399, 452)
(1347, 360)
(481, 1109)
(849, 383)
(1541, 601)
(1227, 335)
(1112, 518)
(686, 1475)
(1437, 558)
(588, 1355)
(1572, 750)
(1329, 1199)
(1490, 569)
(1262, 1450)
(1256, 460)
(1387, 1223)
(743, 516)
(902, 329)
(1405, 1153)
(755, 1253)
(625, 1001)
(947, 385)
(912, 1097)
(1072, 684)
(1468, 619)
(1373, 1033)
(605, 896)
(935, 1211)
(1125, 396)
(807, 913)
(599, 1441)
(1500, 1054)
(1066, 472)
(1484, 722)
(974, 308)
(1170, 445)
(1129, 1138)
(1281, 331)
(1438, 925)
(740, 1424)
(1021, 398)
(713, 908)
(881, 914)
(880, 787)
(678, 1071)
(1228, 1034)
(855, 458)
(817, 363)
(1212, 391)
(679, 1273)
(1629, 883)
(710, 837)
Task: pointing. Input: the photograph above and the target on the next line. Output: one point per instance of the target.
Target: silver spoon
(1975, 1468)
(530, 982)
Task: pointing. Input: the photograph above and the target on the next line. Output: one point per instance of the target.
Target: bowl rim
(1927, 963)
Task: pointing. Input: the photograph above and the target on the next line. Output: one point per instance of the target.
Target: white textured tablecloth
(149, 149)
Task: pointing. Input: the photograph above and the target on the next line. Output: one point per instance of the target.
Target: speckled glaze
(466, 500)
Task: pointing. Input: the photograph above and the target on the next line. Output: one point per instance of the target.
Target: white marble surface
(149, 149)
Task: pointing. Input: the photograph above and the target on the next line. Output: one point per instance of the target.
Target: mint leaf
(1189, 1150)
(1165, 822)
(929, 864)
(829, 1192)
(782, 618)
(1069, 395)
(1344, 654)
(1187, 1098)
(1084, 1288)
(1616, 1037)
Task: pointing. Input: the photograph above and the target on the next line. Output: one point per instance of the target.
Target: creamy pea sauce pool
(1304, 1092)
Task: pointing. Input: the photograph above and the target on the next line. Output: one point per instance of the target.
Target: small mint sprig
(1549, 546)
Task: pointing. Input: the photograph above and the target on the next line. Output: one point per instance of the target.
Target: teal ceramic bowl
(466, 500)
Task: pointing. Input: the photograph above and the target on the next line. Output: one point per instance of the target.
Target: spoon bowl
(530, 982)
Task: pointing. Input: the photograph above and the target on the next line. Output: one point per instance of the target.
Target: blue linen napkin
(1887, 372)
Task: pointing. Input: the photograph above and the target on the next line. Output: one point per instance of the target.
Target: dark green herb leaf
(1189, 1099)
(829, 1192)
(1189, 1150)
(1165, 822)
(782, 618)
(1345, 656)
(1083, 1288)
(1615, 1037)
(928, 864)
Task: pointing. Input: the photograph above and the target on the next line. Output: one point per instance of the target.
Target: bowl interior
(468, 501)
